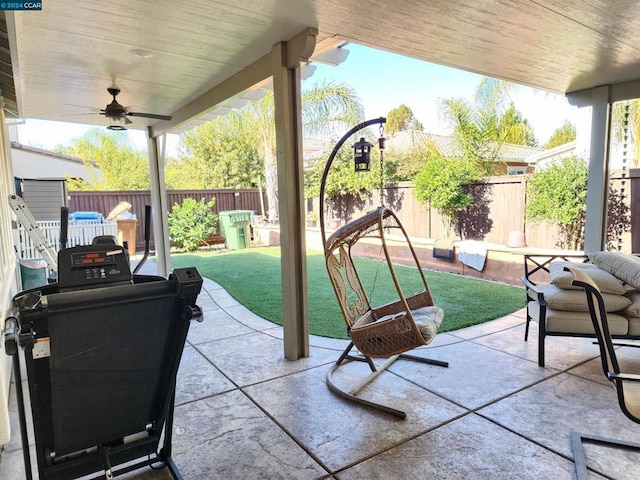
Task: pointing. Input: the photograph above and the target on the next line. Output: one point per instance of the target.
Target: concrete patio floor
(245, 412)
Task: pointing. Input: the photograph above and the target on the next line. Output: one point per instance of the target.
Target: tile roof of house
(405, 140)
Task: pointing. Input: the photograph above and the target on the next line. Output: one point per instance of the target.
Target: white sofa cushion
(633, 310)
(624, 266)
(606, 282)
(634, 325)
(576, 300)
(579, 322)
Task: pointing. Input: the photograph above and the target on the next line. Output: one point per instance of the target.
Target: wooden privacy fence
(105, 201)
(498, 210)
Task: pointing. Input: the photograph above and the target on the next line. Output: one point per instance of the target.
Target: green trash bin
(234, 225)
(33, 274)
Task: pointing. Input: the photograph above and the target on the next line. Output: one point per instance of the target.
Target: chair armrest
(529, 285)
(631, 377)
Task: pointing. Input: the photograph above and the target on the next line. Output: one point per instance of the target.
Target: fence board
(491, 221)
(105, 201)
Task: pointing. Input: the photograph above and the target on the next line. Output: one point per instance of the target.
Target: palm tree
(327, 110)
(121, 166)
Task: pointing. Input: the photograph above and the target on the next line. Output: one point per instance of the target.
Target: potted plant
(312, 218)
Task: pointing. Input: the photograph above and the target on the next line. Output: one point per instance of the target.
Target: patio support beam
(288, 123)
(159, 206)
(244, 79)
(599, 99)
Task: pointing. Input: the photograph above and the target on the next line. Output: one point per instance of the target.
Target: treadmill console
(90, 266)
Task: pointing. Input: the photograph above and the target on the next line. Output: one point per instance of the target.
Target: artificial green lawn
(252, 276)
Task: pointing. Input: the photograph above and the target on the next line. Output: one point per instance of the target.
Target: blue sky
(382, 81)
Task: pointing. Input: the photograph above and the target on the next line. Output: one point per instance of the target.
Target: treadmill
(101, 348)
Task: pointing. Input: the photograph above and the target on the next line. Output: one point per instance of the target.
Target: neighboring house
(516, 158)
(618, 157)
(547, 157)
(35, 163)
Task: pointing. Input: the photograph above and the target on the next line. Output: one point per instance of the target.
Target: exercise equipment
(101, 349)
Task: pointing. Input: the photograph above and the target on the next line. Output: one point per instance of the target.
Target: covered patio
(493, 413)
(245, 412)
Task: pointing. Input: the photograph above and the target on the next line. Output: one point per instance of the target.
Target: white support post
(598, 182)
(159, 207)
(288, 123)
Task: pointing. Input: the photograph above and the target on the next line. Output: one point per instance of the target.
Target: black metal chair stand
(627, 385)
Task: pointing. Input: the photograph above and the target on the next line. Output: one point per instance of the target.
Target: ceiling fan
(117, 115)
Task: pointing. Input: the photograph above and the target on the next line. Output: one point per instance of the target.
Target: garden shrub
(191, 223)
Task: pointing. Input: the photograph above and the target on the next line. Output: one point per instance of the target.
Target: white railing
(79, 233)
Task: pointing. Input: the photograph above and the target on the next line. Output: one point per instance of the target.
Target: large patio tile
(228, 437)
(476, 374)
(340, 433)
(248, 318)
(468, 448)
(197, 378)
(15, 441)
(205, 302)
(12, 464)
(337, 344)
(257, 357)
(628, 360)
(489, 327)
(561, 353)
(215, 325)
(547, 413)
(222, 298)
(208, 284)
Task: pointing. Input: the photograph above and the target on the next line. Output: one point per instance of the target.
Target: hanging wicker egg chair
(384, 331)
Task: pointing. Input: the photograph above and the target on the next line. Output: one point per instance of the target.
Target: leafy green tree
(192, 222)
(493, 99)
(514, 129)
(327, 110)
(564, 134)
(444, 184)
(122, 166)
(401, 118)
(222, 153)
(475, 130)
(557, 195)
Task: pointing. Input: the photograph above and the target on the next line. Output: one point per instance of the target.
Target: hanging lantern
(362, 155)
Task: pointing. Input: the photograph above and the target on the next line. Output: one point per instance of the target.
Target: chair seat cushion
(559, 321)
(576, 300)
(606, 282)
(634, 326)
(428, 320)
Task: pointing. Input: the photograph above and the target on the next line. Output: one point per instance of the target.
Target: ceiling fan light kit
(117, 115)
(116, 123)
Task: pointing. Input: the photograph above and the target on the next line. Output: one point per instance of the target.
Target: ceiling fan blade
(149, 115)
(81, 114)
(127, 121)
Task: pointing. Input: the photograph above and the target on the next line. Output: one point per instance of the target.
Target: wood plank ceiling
(66, 56)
